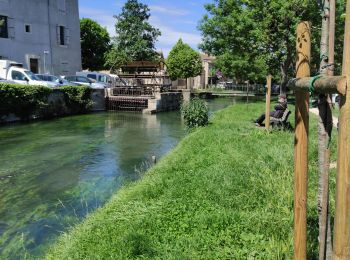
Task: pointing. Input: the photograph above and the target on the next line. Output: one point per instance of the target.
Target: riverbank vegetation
(25, 102)
(226, 191)
(195, 113)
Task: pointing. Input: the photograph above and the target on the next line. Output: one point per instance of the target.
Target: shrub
(26, 101)
(195, 113)
(77, 98)
(23, 100)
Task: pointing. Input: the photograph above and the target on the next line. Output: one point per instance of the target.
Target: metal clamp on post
(312, 83)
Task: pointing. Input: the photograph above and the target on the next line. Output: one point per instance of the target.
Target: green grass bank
(226, 191)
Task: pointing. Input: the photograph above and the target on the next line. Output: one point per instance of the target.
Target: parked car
(15, 72)
(108, 80)
(101, 78)
(56, 80)
(221, 85)
(2, 80)
(84, 81)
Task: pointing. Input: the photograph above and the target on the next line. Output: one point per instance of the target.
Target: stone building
(201, 81)
(44, 35)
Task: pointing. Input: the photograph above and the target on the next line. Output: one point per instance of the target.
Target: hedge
(27, 102)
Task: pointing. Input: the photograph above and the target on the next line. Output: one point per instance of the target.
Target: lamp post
(45, 52)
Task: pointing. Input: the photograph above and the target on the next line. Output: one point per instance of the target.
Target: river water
(53, 173)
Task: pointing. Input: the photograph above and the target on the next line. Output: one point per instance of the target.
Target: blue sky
(175, 19)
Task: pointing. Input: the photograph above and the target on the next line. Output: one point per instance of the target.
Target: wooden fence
(302, 84)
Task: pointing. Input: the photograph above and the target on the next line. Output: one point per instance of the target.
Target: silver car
(85, 81)
(58, 81)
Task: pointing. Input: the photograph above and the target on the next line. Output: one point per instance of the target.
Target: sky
(174, 18)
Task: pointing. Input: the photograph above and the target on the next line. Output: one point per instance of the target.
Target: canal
(53, 173)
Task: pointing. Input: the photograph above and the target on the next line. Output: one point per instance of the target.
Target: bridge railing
(245, 88)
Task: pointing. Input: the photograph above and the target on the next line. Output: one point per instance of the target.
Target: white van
(14, 71)
(98, 77)
(106, 79)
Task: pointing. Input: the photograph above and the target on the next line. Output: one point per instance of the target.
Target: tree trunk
(284, 80)
(284, 73)
(325, 125)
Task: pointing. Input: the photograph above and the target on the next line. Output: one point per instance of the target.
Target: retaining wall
(164, 102)
(57, 106)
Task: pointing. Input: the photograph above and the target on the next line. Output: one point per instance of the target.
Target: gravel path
(315, 111)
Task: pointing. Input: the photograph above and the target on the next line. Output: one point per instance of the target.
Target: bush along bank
(195, 113)
(24, 102)
(226, 191)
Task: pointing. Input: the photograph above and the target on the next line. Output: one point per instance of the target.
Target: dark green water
(53, 173)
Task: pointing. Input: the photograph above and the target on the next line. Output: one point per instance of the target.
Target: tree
(255, 37)
(183, 62)
(135, 40)
(95, 43)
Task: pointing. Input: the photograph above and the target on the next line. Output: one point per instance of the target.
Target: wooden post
(301, 142)
(341, 247)
(268, 101)
(154, 160)
(247, 90)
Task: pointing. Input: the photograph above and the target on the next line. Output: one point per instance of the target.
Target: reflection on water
(53, 173)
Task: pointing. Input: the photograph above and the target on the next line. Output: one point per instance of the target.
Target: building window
(3, 27)
(62, 35)
(27, 28)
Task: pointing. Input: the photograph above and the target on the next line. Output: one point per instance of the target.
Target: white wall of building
(42, 42)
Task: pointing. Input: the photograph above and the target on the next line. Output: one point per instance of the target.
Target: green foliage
(225, 192)
(77, 98)
(94, 44)
(135, 36)
(254, 38)
(25, 101)
(22, 100)
(183, 62)
(195, 113)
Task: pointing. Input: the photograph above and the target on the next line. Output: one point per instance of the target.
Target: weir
(148, 89)
(136, 99)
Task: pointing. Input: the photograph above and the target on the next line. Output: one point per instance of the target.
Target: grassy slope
(226, 191)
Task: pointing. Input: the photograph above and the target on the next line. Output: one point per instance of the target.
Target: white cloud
(193, 3)
(187, 22)
(165, 42)
(170, 35)
(165, 51)
(168, 10)
(104, 19)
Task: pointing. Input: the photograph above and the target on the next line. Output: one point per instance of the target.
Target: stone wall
(98, 97)
(164, 102)
(57, 106)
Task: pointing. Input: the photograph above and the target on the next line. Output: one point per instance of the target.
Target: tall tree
(183, 62)
(255, 36)
(95, 43)
(135, 36)
(324, 132)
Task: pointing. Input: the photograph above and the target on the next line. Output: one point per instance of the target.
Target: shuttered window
(63, 35)
(3, 27)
